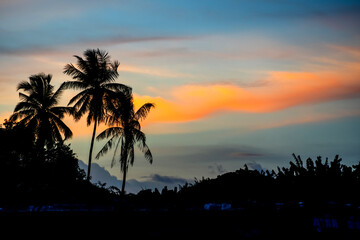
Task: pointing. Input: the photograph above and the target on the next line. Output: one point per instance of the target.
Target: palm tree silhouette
(95, 76)
(126, 131)
(39, 112)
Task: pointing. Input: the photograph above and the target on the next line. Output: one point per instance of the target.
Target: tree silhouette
(126, 131)
(95, 76)
(317, 181)
(39, 111)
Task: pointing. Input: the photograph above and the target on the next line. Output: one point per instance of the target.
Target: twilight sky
(234, 82)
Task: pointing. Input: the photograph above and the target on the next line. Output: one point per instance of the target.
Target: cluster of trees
(33, 156)
(314, 181)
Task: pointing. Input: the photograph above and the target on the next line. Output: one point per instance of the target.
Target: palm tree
(126, 131)
(95, 76)
(39, 112)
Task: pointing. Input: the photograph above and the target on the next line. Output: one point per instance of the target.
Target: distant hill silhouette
(103, 176)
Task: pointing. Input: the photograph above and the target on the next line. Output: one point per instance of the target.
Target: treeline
(29, 176)
(314, 181)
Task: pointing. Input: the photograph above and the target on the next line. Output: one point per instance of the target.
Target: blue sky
(235, 82)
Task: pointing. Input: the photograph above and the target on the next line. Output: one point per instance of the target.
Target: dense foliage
(317, 181)
(29, 175)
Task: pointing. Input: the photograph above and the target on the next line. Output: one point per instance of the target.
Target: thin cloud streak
(153, 71)
(309, 119)
(166, 179)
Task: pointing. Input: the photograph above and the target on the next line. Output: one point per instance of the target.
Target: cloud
(284, 90)
(216, 169)
(152, 71)
(166, 179)
(343, 18)
(255, 166)
(246, 154)
(304, 119)
(348, 51)
(212, 154)
(100, 174)
(129, 39)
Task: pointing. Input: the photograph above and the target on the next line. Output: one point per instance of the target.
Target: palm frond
(109, 75)
(102, 55)
(78, 96)
(113, 161)
(35, 100)
(71, 70)
(105, 148)
(81, 107)
(118, 87)
(135, 125)
(76, 85)
(24, 85)
(147, 154)
(64, 129)
(140, 137)
(25, 98)
(54, 98)
(58, 127)
(143, 111)
(60, 111)
(16, 116)
(25, 119)
(115, 65)
(25, 106)
(23, 113)
(55, 135)
(83, 102)
(110, 132)
(91, 117)
(83, 65)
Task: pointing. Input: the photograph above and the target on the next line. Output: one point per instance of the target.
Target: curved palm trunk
(91, 150)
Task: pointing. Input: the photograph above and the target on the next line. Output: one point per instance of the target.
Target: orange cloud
(284, 90)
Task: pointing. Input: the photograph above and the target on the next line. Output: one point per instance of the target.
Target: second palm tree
(125, 131)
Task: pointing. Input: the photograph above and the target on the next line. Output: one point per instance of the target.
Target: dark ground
(258, 222)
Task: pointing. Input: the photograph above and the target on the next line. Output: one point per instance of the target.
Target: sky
(234, 82)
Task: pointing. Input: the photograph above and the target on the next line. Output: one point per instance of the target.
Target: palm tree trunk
(124, 157)
(123, 182)
(91, 150)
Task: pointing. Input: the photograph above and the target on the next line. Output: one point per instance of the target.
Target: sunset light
(161, 99)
